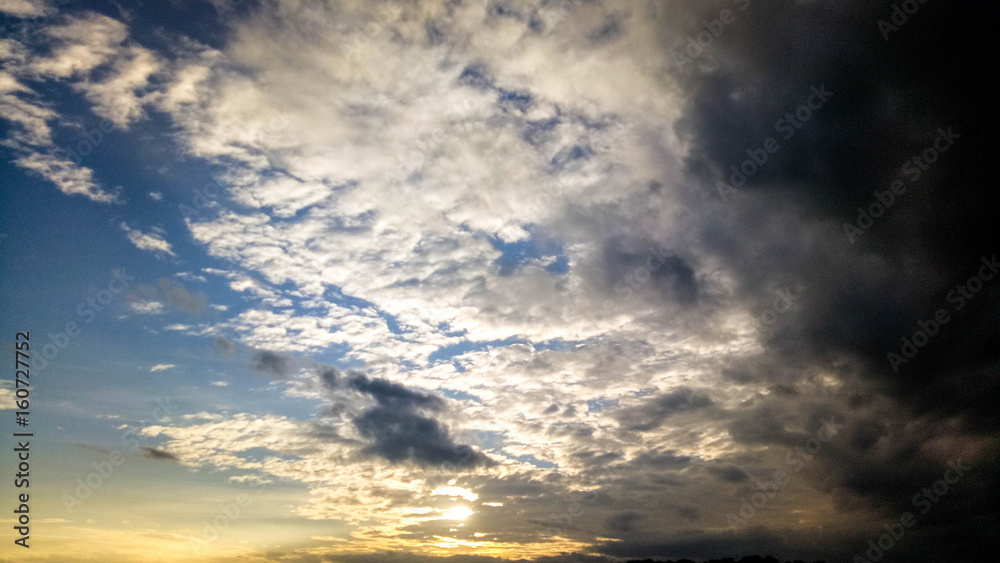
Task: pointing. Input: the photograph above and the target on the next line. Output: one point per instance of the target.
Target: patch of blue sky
(446, 328)
(557, 344)
(539, 249)
(534, 461)
(515, 100)
(446, 353)
(602, 404)
(460, 395)
(489, 440)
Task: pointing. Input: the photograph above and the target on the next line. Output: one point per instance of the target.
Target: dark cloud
(785, 228)
(626, 263)
(153, 453)
(226, 347)
(705, 545)
(393, 395)
(272, 364)
(624, 522)
(660, 460)
(400, 435)
(653, 413)
(402, 557)
(329, 376)
(594, 458)
(728, 473)
(688, 512)
(890, 98)
(400, 427)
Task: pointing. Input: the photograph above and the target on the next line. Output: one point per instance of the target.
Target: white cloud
(24, 8)
(80, 45)
(7, 397)
(146, 307)
(188, 276)
(161, 367)
(114, 96)
(395, 180)
(66, 175)
(152, 241)
(32, 118)
(83, 43)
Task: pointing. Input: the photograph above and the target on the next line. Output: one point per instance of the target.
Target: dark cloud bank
(894, 94)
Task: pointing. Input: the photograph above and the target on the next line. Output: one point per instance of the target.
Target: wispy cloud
(152, 241)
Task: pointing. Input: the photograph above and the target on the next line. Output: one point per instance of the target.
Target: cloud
(7, 398)
(82, 43)
(32, 118)
(401, 435)
(226, 347)
(176, 295)
(33, 134)
(24, 8)
(153, 453)
(625, 521)
(67, 176)
(728, 473)
(390, 395)
(653, 413)
(399, 426)
(114, 97)
(161, 367)
(146, 307)
(274, 365)
(78, 44)
(153, 241)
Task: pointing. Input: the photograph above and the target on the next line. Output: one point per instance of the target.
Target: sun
(458, 513)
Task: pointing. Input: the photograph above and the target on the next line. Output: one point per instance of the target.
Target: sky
(559, 281)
